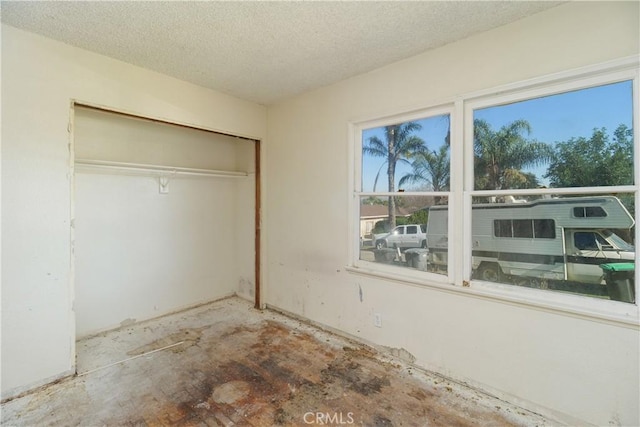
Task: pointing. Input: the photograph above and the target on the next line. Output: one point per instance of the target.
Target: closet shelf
(146, 169)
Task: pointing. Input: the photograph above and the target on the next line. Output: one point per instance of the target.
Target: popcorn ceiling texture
(262, 51)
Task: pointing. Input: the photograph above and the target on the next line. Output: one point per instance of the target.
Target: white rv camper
(540, 242)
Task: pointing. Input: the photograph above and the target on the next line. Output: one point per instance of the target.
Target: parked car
(403, 237)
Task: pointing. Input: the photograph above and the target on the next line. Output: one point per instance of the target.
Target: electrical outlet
(377, 320)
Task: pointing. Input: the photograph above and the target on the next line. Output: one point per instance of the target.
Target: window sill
(603, 311)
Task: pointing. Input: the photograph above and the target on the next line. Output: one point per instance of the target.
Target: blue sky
(552, 118)
(433, 132)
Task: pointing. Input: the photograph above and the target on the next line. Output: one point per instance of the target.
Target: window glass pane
(405, 245)
(568, 253)
(502, 228)
(594, 211)
(544, 228)
(581, 138)
(585, 240)
(523, 228)
(409, 156)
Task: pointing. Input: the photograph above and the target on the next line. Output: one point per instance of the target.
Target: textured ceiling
(262, 51)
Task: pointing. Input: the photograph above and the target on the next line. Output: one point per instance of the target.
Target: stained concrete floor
(226, 364)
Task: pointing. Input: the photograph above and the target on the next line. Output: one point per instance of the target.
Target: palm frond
(375, 147)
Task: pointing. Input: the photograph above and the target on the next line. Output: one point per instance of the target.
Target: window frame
(585, 211)
(553, 86)
(356, 130)
(461, 191)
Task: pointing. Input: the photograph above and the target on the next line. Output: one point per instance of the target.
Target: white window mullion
(467, 191)
(456, 202)
(355, 169)
(636, 172)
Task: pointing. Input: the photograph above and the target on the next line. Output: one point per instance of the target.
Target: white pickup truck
(403, 237)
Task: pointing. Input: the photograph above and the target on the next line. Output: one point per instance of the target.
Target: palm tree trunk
(392, 200)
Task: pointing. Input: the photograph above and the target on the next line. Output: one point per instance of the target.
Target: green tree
(400, 145)
(518, 179)
(419, 217)
(593, 161)
(373, 200)
(430, 167)
(501, 155)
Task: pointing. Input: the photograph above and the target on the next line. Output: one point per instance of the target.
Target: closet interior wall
(164, 218)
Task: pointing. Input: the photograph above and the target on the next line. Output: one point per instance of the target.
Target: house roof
(263, 51)
(381, 211)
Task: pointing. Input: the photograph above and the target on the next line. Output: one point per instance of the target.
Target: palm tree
(430, 167)
(501, 155)
(401, 144)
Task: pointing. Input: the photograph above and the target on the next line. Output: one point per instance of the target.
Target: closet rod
(162, 170)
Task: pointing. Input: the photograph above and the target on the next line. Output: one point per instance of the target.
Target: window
(561, 158)
(524, 228)
(536, 175)
(589, 212)
(584, 240)
(404, 175)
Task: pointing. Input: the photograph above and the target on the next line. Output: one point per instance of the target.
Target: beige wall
(40, 77)
(571, 366)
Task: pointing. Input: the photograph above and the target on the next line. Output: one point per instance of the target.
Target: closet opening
(166, 216)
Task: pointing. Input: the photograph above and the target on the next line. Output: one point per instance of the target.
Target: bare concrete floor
(226, 364)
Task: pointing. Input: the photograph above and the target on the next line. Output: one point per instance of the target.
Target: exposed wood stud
(258, 299)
